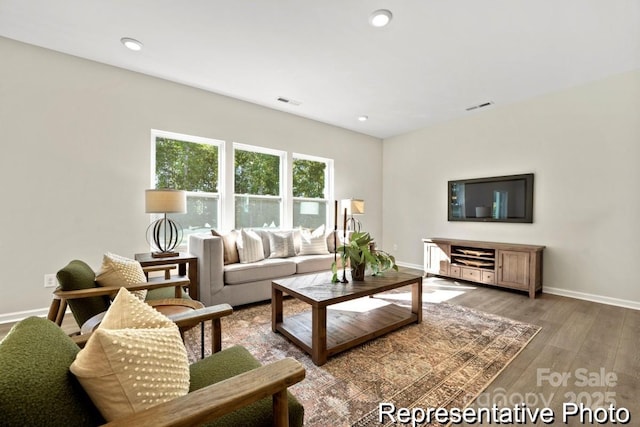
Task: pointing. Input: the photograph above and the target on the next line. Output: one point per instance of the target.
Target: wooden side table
(183, 261)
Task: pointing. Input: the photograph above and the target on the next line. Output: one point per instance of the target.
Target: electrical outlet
(395, 246)
(50, 281)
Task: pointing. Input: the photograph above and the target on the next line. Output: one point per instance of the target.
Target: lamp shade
(353, 206)
(165, 201)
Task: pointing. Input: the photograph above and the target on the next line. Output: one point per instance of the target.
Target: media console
(508, 265)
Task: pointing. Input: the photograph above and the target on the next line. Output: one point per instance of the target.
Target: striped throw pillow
(250, 248)
(313, 243)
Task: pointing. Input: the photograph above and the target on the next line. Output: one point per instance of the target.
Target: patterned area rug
(446, 361)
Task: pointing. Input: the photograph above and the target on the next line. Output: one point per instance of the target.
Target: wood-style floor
(586, 352)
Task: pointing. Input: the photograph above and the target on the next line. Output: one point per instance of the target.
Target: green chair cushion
(78, 275)
(231, 362)
(36, 387)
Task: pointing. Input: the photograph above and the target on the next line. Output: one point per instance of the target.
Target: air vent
(475, 107)
(289, 101)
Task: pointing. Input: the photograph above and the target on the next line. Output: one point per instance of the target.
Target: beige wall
(76, 159)
(582, 144)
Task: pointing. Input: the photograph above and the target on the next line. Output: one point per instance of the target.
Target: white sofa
(238, 284)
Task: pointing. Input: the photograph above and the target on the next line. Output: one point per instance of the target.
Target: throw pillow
(281, 244)
(250, 248)
(229, 246)
(134, 360)
(117, 270)
(313, 243)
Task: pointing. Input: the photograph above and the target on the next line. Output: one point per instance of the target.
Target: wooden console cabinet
(508, 265)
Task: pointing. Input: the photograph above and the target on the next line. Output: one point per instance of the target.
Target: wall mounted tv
(494, 199)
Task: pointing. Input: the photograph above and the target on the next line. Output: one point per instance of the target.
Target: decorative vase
(357, 272)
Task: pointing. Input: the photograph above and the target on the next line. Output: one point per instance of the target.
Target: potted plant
(361, 253)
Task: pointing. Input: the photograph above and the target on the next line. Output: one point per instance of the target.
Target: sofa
(224, 278)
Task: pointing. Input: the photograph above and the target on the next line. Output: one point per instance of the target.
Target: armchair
(88, 301)
(228, 388)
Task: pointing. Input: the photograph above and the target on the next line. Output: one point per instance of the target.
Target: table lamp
(164, 234)
(353, 207)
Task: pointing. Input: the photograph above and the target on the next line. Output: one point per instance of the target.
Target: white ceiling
(435, 59)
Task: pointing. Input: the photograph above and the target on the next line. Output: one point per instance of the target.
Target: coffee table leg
(319, 335)
(276, 308)
(416, 299)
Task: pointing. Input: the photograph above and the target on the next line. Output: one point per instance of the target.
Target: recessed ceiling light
(131, 44)
(380, 18)
(363, 118)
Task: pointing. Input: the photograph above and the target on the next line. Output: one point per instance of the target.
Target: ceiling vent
(289, 101)
(475, 107)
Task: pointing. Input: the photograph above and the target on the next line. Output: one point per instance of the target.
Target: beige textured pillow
(229, 246)
(134, 360)
(117, 270)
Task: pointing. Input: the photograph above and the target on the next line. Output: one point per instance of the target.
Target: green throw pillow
(36, 386)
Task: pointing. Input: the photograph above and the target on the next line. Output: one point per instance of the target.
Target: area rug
(444, 362)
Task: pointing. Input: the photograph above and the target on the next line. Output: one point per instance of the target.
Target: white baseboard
(591, 297)
(635, 305)
(19, 315)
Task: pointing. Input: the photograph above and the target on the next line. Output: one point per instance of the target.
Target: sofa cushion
(36, 387)
(250, 247)
(313, 243)
(313, 263)
(117, 270)
(134, 360)
(281, 244)
(229, 241)
(266, 269)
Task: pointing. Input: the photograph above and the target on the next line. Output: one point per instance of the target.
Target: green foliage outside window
(257, 173)
(186, 165)
(308, 178)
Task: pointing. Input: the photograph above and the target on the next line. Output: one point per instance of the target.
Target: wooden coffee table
(323, 333)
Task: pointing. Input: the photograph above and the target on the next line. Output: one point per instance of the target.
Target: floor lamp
(165, 234)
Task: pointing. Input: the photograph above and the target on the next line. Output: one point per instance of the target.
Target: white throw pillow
(117, 271)
(313, 243)
(281, 244)
(250, 247)
(134, 360)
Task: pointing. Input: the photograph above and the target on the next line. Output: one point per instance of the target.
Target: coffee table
(324, 332)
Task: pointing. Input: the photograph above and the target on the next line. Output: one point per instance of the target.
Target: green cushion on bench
(231, 362)
(36, 387)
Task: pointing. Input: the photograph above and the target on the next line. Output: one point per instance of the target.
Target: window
(191, 164)
(310, 191)
(258, 187)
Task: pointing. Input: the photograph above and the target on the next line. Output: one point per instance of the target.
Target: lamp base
(164, 254)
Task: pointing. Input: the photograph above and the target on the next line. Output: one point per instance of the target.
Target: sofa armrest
(210, 253)
(224, 397)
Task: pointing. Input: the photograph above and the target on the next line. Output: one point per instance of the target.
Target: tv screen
(494, 199)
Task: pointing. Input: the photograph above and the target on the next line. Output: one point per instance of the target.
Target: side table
(183, 260)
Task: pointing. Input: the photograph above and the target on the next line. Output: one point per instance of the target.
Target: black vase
(357, 272)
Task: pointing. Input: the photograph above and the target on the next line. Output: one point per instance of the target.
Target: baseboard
(591, 297)
(19, 315)
(635, 305)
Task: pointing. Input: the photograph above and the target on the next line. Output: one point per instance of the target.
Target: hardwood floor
(586, 352)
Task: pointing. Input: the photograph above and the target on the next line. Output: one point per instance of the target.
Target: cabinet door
(513, 269)
(436, 258)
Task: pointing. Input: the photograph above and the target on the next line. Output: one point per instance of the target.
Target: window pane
(309, 179)
(257, 173)
(186, 166)
(201, 216)
(257, 212)
(309, 214)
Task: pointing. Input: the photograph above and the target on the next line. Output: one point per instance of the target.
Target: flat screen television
(493, 199)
